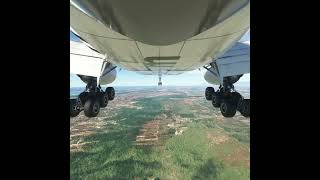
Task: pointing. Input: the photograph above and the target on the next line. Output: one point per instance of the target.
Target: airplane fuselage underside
(160, 37)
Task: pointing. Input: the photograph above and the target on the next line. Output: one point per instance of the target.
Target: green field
(209, 148)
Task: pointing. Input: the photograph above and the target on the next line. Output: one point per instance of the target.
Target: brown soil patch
(157, 131)
(217, 138)
(148, 134)
(82, 127)
(240, 156)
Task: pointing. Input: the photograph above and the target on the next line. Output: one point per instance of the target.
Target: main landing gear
(159, 83)
(228, 100)
(91, 100)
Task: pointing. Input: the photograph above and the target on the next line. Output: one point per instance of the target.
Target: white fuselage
(235, 61)
(86, 62)
(130, 38)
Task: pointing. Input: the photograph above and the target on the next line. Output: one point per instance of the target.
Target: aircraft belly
(160, 22)
(172, 59)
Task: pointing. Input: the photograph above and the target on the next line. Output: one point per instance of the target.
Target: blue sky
(129, 78)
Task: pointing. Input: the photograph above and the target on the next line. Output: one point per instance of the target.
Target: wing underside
(173, 59)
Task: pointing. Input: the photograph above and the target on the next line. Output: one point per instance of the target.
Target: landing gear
(111, 93)
(103, 98)
(159, 83)
(208, 93)
(91, 100)
(92, 107)
(216, 99)
(228, 100)
(244, 107)
(228, 108)
(74, 108)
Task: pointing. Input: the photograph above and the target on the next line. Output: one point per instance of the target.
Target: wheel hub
(95, 108)
(245, 107)
(214, 98)
(224, 108)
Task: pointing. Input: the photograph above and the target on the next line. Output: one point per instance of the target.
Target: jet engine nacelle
(108, 76)
(212, 78)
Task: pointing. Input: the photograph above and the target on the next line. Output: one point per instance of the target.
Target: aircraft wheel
(228, 108)
(216, 99)
(245, 108)
(111, 93)
(91, 107)
(103, 97)
(74, 108)
(83, 97)
(208, 93)
(236, 97)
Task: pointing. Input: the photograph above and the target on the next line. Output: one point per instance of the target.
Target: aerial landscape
(194, 125)
(160, 133)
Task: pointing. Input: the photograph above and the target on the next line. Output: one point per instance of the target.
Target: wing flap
(84, 61)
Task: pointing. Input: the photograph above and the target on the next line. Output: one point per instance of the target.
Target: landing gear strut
(159, 83)
(91, 100)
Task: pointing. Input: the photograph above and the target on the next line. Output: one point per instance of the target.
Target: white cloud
(197, 72)
(245, 78)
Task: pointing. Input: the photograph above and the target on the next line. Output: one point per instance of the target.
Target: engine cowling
(211, 78)
(108, 76)
(214, 79)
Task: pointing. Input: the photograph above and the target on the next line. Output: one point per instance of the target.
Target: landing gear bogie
(228, 101)
(91, 100)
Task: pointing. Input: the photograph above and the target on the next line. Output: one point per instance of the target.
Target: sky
(129, 78)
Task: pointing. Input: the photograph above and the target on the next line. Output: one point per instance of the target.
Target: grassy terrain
(208, 149)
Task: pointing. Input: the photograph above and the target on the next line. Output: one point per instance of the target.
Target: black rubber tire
(216, 99)
(245, 108)
(74, 110)
(83, 97)
(92, 107)
(228, 108)
(111, 93)
(104, 99)
(236, 97)
(208, 93)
